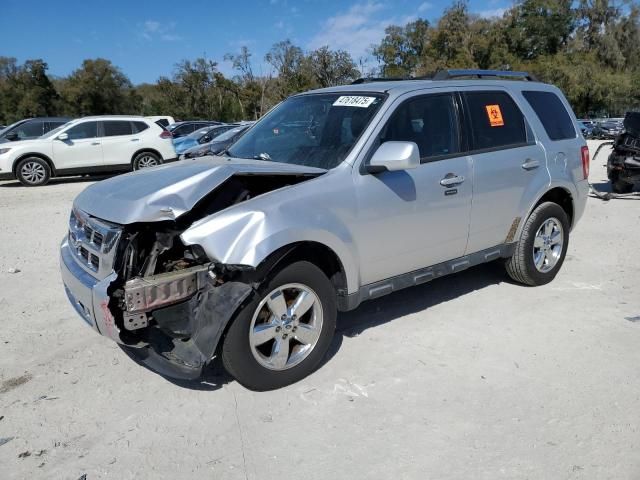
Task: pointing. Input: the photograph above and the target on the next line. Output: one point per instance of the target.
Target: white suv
(87, 145)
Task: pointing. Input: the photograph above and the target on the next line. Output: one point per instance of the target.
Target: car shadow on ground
(376, 312)
(61, 180)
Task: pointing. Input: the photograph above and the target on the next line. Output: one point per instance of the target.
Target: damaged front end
(165, 302)
(171, 304)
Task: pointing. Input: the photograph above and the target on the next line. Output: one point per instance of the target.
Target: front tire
(146, 160)
(542, 247)
(33, 172)
(283, 334)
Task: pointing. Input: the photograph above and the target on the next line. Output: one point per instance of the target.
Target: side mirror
(63, 137)
(393, 156)
(206, 139)
(11, 136)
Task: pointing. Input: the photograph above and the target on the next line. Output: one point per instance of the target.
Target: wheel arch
(559, 194)
(313, 252)
(42, 156)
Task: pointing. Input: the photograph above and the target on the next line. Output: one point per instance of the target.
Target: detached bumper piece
(181, 335)
(149, 293)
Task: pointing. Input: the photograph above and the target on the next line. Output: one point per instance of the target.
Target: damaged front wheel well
(313, 252)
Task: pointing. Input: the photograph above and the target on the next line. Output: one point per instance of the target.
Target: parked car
(248, 256)
(87, 145)
(180, 129)
(586, 128)
(30, 128)
(217, 145)
(607, 130)
(623, 164)
(163, 121)
(204, 135)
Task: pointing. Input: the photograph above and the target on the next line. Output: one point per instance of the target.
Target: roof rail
(378, 79)
(449, 74)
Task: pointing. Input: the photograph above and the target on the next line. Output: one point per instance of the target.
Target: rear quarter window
(139, 127)
(552, 114)
(495, 120)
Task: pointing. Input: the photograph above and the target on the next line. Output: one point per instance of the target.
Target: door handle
(451, 179)
(95, 143)
(135, 139)
(530, 164)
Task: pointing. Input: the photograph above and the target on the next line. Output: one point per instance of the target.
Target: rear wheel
(33, 172)
(146, 160)
(542, 246)
(282, 335)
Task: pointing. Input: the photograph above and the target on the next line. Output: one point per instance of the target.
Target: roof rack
(450, 74)
(378, 79)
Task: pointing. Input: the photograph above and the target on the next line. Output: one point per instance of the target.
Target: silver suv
(335, 197)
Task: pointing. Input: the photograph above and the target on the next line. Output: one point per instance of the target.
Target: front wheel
(282, 335)
(146, 160)
(33, 172)
(542, 247)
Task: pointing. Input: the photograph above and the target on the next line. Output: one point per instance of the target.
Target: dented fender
(245, 236)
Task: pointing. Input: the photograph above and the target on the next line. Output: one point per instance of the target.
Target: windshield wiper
(263, 156)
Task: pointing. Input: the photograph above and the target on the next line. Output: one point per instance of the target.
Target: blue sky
(146, 39)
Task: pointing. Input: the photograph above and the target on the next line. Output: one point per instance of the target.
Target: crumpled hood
(169, 191)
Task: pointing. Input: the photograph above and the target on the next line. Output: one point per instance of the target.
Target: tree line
(589, 48)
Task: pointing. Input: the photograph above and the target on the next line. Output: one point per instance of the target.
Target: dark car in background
(218, 145)
(607, 130)
(623, 164)
(30, 128)
(181, 129)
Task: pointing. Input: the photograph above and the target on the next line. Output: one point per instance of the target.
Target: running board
(424, 275)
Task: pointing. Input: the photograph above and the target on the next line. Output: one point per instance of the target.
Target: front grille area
(94, 243)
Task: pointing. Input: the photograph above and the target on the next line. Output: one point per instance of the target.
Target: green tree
(402, 48)
(98, 87)
(330, 68)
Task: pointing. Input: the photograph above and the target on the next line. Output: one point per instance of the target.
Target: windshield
(9, 127)
(316, 130)
(55, 131)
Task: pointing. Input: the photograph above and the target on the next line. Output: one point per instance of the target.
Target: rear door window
(552, 114)
(430, 121)
(116, 128)
(495, 121)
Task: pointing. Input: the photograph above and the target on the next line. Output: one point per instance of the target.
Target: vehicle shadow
(372, 314)
(61, 180)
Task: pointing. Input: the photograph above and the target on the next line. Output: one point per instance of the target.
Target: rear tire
(620, 186)
(33, 172)
(264, 350)
(542, 247)
(146, 160)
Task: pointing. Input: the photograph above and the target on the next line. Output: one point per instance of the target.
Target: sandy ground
(470, 376)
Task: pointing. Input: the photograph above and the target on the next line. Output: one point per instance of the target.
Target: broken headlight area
(171, 299)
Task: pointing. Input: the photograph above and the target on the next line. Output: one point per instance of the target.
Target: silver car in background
(337, 196)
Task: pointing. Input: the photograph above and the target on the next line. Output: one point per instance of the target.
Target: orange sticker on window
(495, 115)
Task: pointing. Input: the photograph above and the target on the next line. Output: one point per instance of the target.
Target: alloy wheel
(33, 173)
(547, 245)
(147, 161)
(286, 326)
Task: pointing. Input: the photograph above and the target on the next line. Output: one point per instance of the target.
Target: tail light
(584, 153)
(166, 134)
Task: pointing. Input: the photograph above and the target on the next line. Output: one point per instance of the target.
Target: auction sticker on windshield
(353, 101)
